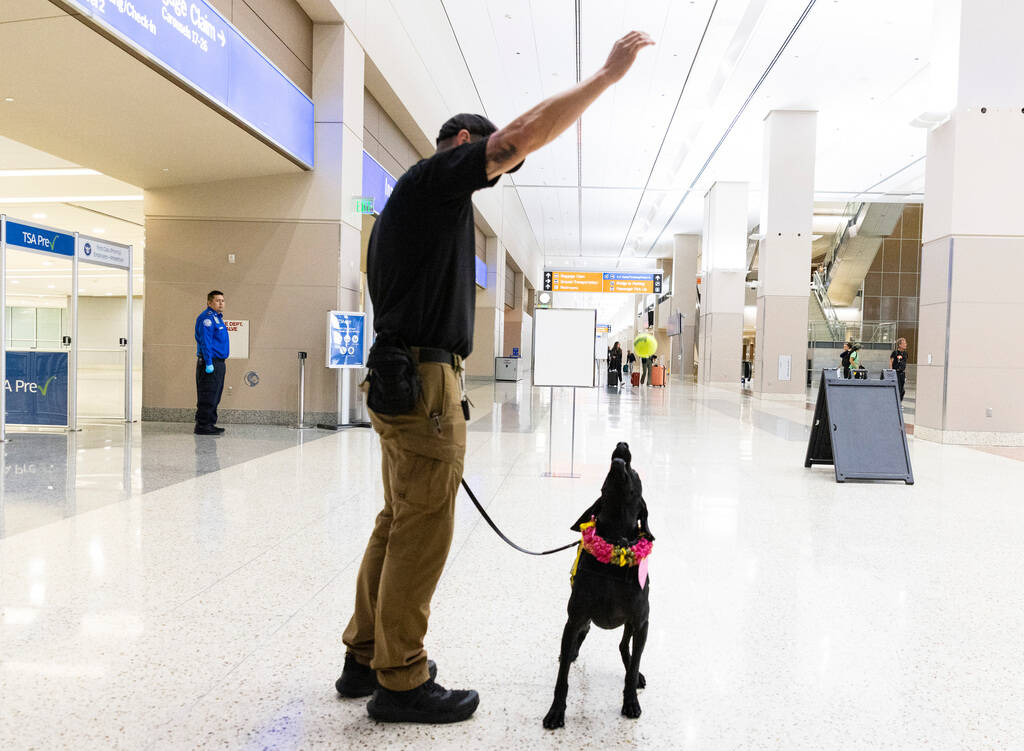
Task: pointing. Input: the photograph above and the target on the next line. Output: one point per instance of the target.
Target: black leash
(502, 534)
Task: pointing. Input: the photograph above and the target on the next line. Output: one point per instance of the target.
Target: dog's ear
(594, 510)
(643, 521)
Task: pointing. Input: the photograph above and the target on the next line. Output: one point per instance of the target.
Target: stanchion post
(3, 327)
(300, 423)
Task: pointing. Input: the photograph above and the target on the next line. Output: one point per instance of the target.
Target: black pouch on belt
(394, 378)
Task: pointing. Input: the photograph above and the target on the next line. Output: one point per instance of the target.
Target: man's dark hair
(477, 125)
(212, 294)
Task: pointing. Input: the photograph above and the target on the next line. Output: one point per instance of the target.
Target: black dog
(609, 595)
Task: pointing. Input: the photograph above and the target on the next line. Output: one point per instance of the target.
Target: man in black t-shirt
(420, 275)
(898, 362)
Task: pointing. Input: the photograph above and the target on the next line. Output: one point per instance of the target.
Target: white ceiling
(862, 64)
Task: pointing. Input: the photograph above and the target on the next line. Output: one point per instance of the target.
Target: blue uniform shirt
(211, 336)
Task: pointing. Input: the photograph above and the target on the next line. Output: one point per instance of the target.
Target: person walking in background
(630, 363)
(898, 362)
(844, 358)
(615, 365)
(645, 372)
(212, 350)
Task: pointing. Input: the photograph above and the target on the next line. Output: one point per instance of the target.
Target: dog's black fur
(609, 596)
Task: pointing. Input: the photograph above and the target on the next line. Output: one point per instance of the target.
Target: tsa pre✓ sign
(346, 340)
(36, 388)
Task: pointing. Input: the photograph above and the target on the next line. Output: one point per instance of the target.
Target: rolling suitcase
(634, 378)
(658, 375)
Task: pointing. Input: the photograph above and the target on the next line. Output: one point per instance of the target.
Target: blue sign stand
(346, 349)
(36, 388)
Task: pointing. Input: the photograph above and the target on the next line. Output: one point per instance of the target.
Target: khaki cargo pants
(423, 454)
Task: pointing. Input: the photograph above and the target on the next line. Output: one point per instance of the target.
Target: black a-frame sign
(858, 428)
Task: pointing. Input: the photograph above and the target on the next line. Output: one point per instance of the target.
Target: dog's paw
(555, 718)
(631, 708)
(641, 682)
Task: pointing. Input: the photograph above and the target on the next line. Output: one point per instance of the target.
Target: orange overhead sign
(601, 281)
(574, 281)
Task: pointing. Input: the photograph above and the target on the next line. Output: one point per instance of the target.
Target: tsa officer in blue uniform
(211, 351)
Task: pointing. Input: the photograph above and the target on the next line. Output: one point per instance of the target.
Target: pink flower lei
(605, 552)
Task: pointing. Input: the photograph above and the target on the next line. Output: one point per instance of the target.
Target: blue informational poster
(346, 340)
(37, 388)
(194, 42)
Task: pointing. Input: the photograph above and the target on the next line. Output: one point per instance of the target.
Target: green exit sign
(364, 205)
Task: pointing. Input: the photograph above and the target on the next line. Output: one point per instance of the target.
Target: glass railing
(832, 258)
(882, 332)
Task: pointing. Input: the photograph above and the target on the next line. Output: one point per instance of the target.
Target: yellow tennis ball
(645, 345)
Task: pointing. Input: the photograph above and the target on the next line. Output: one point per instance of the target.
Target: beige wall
(384, 141)
(280, 29)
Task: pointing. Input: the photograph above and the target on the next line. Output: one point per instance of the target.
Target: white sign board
(238, 339)
(93, 250)
(785, 367)
(563, 347)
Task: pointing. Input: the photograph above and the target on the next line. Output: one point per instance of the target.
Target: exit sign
(363, 205)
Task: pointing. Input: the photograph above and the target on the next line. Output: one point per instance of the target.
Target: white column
(724, 270)
(489, 329)
(338, 83)
(784, 257)
(970, 366)
(685, 250)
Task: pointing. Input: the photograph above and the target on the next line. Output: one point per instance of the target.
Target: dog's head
(621, 512)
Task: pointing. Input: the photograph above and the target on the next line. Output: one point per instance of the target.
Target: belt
(430, 354)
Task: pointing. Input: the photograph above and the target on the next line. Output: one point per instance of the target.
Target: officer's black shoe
(428, 703)
(219, 431)
(358, 680)
(204, 430)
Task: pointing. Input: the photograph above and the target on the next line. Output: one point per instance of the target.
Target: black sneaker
(207, 430)
(218, 431)
(358, 680)
(428, 703)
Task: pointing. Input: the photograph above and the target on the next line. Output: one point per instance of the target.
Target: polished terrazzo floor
(163, 592)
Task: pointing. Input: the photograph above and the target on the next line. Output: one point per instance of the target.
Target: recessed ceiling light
(109, 294)
(98, 230)
(8, 99)
(166, 169)
(15, 281)
(51, 286)
(39, 215)
(47, 263)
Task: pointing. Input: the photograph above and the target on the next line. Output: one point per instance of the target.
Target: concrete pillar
(489, 329)
(724, 269)
(684, 300)
(295, 238)
(784, 257)
(969, 365)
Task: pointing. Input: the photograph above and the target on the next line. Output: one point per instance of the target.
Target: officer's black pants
(901, 379)
(209, 387)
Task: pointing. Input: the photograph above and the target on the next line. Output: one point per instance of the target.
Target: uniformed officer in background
(211, 351)
(898, 362)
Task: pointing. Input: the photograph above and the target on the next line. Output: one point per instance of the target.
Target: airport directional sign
(601, 281)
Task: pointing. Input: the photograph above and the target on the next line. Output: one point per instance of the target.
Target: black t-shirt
(899, 360)
(420, 265)
(845, 357)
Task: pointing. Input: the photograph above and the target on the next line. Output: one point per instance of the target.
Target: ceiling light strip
(742, 110)
(579, 132)
(67, 199)
(668, 128)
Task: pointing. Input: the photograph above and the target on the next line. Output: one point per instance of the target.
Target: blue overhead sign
(346, 339)
(37, 388)
(40, 238)
(377, 183)
(192, 40)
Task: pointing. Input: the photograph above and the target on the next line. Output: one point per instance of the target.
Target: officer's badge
(207, 322)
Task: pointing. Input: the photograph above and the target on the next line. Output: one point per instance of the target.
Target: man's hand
(209, 368)
(624, 53)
